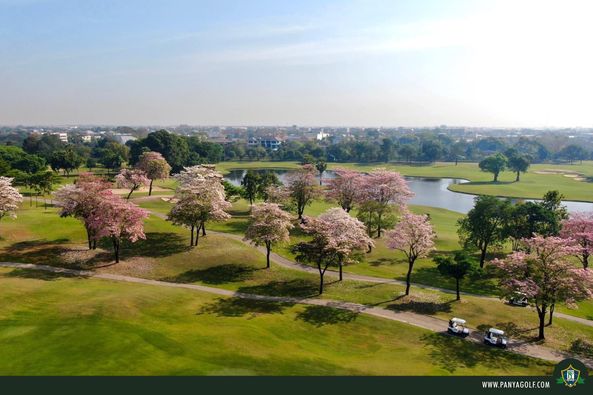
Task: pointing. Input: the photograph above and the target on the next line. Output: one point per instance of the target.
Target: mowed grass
(52, 325)
(531, 185)
(221, 262)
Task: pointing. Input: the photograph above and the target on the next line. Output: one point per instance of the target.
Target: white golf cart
(457, 327)
(519, 299)
(495, 337)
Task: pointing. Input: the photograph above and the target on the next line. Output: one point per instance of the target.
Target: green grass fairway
(65, 326)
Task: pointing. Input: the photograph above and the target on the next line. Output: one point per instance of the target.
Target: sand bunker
(575, 175)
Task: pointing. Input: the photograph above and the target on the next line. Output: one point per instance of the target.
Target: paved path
(287, 263)
(426, 322)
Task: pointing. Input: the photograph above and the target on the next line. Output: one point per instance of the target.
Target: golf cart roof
(495, 331)
(458, 320)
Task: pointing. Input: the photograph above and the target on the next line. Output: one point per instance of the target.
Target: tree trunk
(116, 249)
(517, 179)
(541, 312)
(320, 179)
(197, 237)
(483, 256)
(340, 264)
(495, 177)
(94, 244)
(410, 266)
(150, 188)
(457, 288)
(191, 243)
(585, 261)
(379, 225)
(203, 229)
(268, 249)
(88, 237)
(552, 306)
(130, 194)
(321, 274)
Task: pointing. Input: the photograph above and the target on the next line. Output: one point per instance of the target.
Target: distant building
(272, 143)
(63, 136)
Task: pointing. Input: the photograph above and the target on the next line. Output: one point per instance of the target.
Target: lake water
(428, 191)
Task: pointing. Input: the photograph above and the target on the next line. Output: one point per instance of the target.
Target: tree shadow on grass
(324, 315)
(239, 307)
(221, 274)
(382, 261)
(421, 307)
(479, 283)
(40, 274)
(451, 353)
(582, 347)
(40, 251)
(297, 288)
(156, 245)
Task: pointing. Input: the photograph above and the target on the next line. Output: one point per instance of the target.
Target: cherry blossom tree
(302, 188)
(545, 275)
(579, 227)
(414, 236)
(200, 198)
(82, 199)
(268, 225)
(378, 193)
(132, 180)
(10, 198)
(344, 188)
(118, 220)
(336, 238)
(155, 166)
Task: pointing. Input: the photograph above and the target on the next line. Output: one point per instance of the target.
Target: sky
(501, 63)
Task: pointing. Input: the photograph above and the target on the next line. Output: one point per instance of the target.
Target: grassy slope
(532, 185)
(165, 256)
(60, 326)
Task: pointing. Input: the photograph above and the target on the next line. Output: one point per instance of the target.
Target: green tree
(517, 162)
(484, 225)
(250, 184)
(494, 164)
(457, 267)
(66, 160)
(321, 167)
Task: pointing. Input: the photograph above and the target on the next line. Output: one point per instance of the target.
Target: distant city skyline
(336, 63)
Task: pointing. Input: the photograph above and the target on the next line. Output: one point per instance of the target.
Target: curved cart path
(422, 321)
(287, 263)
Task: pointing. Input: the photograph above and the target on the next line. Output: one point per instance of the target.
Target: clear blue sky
(380, 63)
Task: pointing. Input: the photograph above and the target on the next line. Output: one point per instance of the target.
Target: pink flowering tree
(545, 275)
(337, 237)
(379, 193)
(131, 179)
(302, 188)
(200, 198)
(268, 225)
(413, 236)
(118, 220)
(10, 198)
(82, 199)
(579, 227)
(344, 188)
(155, 166)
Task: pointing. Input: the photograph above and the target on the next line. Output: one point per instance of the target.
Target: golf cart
(495, 337)
(457, 327)
(519, 299)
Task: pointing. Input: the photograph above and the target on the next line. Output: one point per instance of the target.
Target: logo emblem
(571, 376)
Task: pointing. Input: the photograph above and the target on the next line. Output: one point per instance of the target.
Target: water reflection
(428, 191)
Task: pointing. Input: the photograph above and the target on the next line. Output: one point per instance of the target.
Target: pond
(432, 192)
